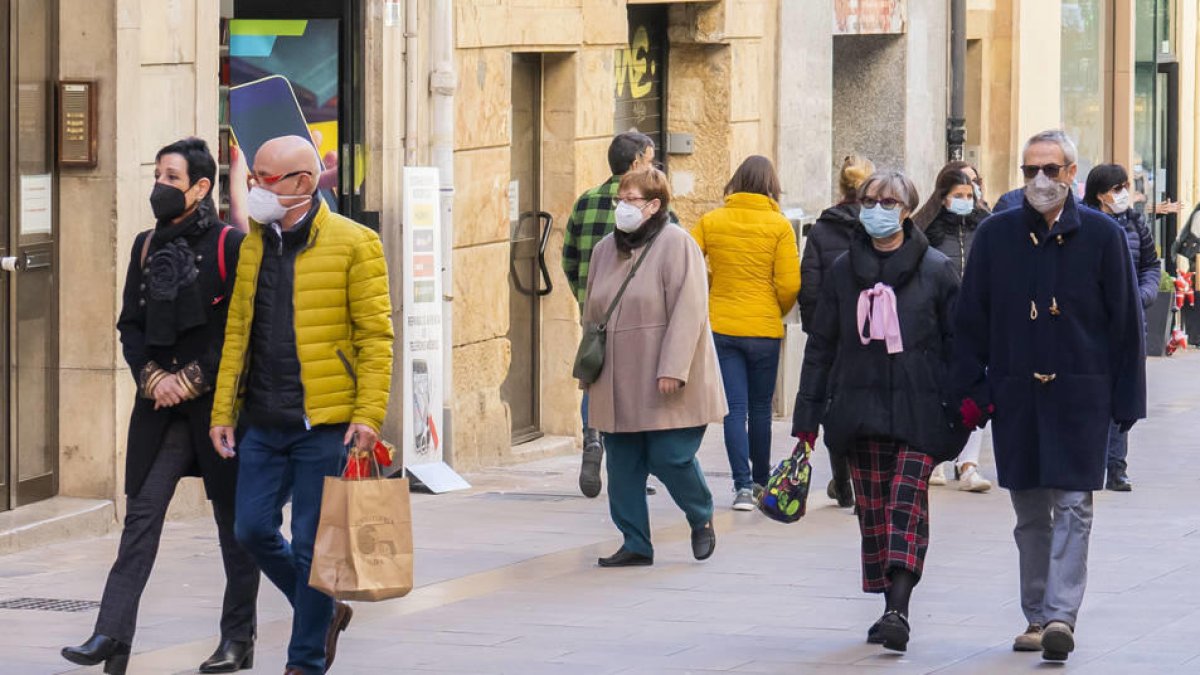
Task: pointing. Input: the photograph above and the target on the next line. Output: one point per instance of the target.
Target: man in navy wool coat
(1049, 344)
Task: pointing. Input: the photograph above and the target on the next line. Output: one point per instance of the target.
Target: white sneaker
(971, 481)
(938, 477)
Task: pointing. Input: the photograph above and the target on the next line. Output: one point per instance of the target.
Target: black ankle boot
(113, 653)
(230, 657)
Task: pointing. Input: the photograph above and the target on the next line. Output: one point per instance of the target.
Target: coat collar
(894, 270)
(751, 200)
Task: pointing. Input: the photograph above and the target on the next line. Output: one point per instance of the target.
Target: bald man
(305, 371)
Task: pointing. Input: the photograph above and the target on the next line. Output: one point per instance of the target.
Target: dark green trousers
(671, 456)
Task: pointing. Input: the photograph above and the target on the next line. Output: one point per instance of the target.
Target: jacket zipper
(312, 240)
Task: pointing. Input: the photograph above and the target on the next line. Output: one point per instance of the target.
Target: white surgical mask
(629, 217)
(1046, 195)
(978, 191)
(264, 207)
(961, 206)
(1120, 202)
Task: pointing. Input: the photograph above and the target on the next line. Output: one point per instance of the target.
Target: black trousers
(139, 547)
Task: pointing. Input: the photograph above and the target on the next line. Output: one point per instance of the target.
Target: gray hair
(1059, 138)
(895, 185)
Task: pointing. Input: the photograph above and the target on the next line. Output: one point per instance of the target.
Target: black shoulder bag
(589, 360)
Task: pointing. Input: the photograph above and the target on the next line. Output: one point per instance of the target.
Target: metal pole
(956, 123)
(443, 81)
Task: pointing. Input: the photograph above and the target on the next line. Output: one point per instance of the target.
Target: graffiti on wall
(869, 17)
(639, 70)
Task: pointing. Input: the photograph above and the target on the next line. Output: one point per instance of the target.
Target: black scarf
(628, 242)
(173, 301)
(894, 269)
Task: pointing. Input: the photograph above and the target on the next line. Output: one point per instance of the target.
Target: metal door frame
(16, 492)
(1169, 67)
(534, 431)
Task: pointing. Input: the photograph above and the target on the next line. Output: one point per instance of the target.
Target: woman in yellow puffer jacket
(754, 266)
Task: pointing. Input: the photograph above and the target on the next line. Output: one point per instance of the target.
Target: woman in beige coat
(660, 386)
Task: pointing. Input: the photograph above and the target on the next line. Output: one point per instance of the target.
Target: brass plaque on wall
(76, 123)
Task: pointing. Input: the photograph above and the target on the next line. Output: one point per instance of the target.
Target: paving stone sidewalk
(507, 583)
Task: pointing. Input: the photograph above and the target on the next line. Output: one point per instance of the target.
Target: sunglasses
(1051, 170)
(886, 202)
(271, 180)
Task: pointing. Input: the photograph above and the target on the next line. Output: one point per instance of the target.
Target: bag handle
(612, 307)
(351, 452)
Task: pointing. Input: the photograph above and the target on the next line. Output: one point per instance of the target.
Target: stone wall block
(170, 35)
(161, 124)
(747, 58)
(484, 99)
(597, 95)
(481, 23)
(90, 456)
(605, 22)
(481, 196)
(481, 293)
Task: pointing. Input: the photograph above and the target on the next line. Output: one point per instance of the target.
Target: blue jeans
(1118, 449)
(583, 411)
(748, 369)
(276, 464)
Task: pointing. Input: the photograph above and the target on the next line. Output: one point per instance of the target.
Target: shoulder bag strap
(146, 236)
(612, 307)
(221, 254)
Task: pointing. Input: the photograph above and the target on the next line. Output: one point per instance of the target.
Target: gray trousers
(1052, 533)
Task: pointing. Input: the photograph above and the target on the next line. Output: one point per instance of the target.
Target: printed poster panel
(869, 17)
(422, 330)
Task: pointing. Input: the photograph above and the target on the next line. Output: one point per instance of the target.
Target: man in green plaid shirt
(591, 220)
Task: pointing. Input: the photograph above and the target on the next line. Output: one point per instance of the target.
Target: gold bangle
(186, 385)
(154, 380)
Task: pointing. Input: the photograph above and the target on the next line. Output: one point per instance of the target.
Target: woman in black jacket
(827, 240)
(875, 376)
(172, 327)
(1107, 191)
(956, 213)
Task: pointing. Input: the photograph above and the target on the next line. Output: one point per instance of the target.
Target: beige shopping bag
(364, 546)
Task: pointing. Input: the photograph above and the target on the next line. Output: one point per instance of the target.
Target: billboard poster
(284, 80)
(869, 17)
(422, 316)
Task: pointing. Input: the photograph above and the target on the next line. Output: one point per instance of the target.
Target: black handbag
(589, 359)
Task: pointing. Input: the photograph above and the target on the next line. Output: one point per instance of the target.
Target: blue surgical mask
(880, 222)
(961, 206)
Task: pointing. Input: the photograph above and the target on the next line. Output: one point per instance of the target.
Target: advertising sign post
(422, 334)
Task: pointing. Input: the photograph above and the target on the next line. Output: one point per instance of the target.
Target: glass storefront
(1155, 130)
(1085, 108)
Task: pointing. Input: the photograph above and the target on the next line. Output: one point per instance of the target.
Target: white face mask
(1046, 194)
(264, 207)
(1120, 202)
(629, 217)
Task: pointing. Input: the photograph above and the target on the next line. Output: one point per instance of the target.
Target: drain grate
(49, 604)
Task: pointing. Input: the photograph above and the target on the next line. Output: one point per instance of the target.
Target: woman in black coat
(1107, 191)
(827, 240)
(874, 375)
(172, 327)
(952, 214)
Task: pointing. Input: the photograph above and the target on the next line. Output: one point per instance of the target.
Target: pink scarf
(880, 303)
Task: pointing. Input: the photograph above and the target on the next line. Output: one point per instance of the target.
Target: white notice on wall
(37, 204)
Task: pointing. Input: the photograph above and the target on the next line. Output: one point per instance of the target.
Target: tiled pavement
(507, 583)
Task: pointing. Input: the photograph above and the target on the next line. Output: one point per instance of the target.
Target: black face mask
(167, 201)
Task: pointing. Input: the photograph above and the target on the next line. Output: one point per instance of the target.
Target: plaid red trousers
(891, 490)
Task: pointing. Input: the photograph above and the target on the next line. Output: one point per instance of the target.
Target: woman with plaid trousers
(874, 375)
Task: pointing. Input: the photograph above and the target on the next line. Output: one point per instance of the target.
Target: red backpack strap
(221, 253)
(145, 247)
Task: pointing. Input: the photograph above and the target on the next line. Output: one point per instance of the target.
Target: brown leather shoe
(342, 613)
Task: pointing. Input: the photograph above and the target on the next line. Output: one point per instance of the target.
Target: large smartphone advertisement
(422, 330)
(284, 80)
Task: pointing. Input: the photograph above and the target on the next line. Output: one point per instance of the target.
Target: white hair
(1059, 138)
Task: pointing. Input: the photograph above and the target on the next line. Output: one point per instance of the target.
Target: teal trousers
(671, 456)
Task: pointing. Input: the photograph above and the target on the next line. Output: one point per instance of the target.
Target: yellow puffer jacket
(343, 316)
(753, 263)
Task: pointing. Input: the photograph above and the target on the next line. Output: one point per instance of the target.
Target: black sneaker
(589, 468)
(874, 634)
(1118, 481)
